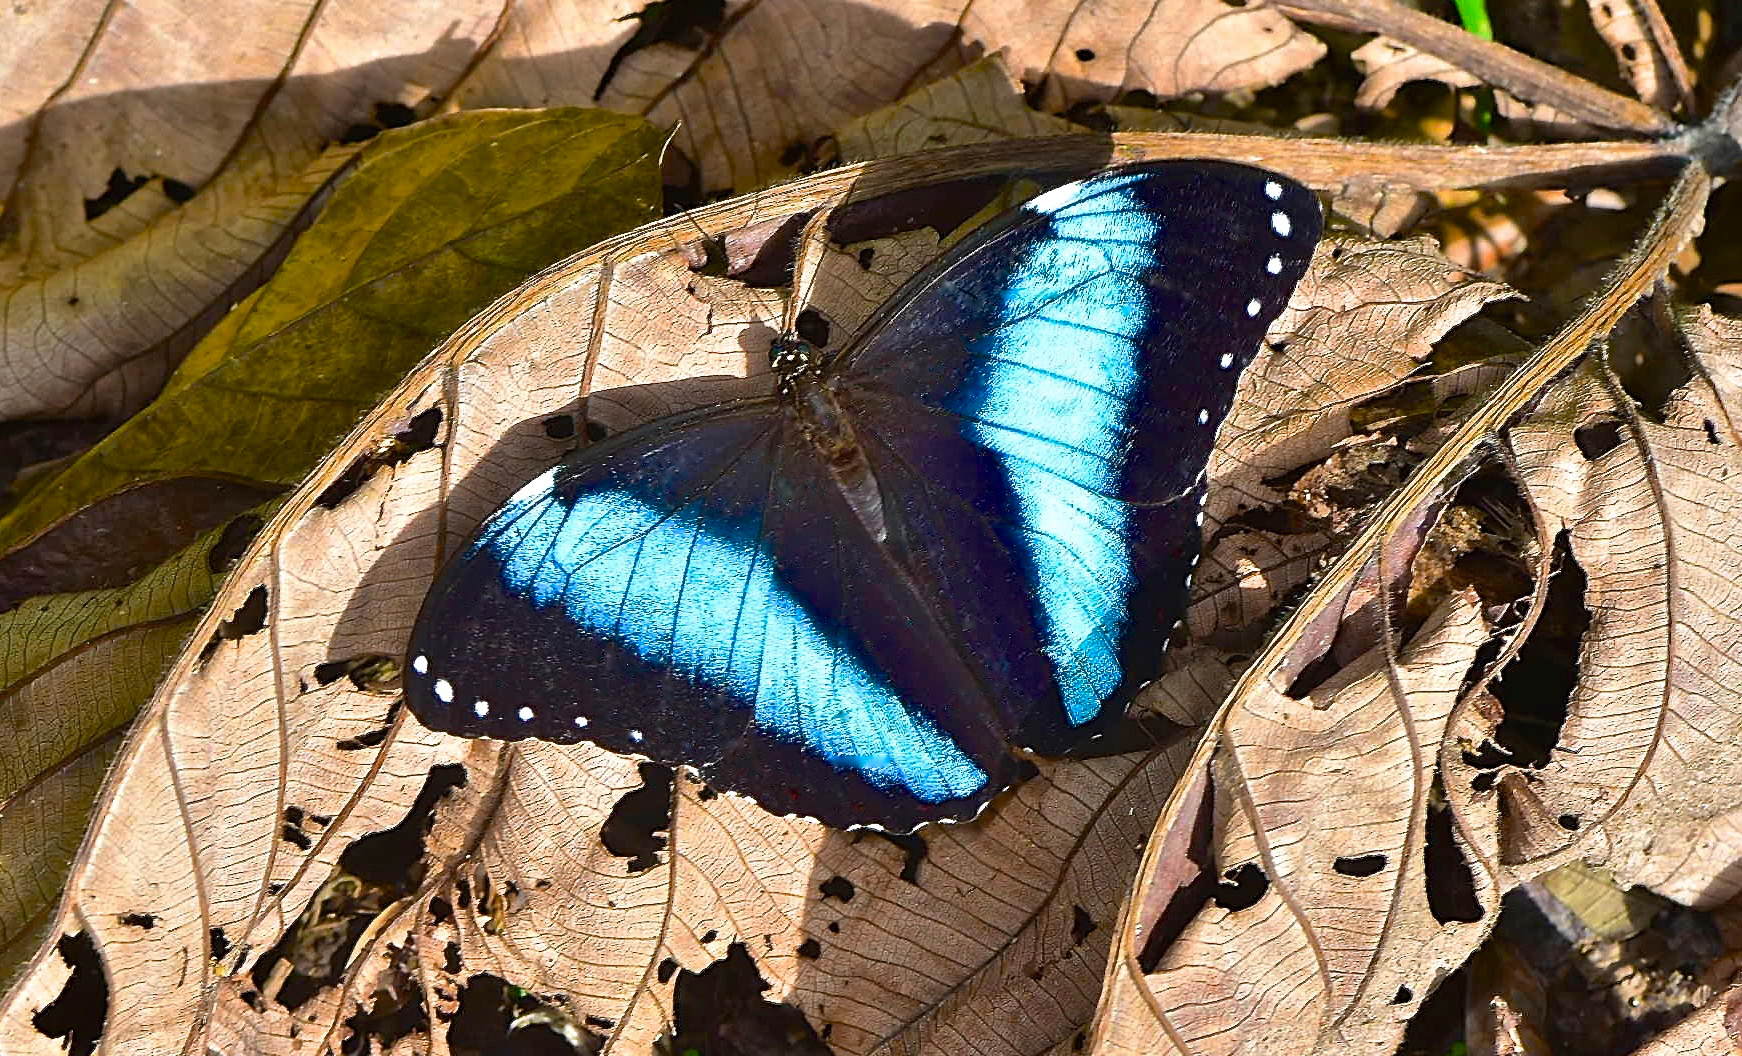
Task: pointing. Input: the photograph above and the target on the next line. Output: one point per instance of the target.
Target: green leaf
(74, 670)
(436, 221)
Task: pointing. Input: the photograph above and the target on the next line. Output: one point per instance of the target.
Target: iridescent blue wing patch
(966, 536)
(1093, 363)
(696, 596)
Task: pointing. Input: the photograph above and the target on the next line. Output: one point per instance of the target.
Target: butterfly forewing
(1035, 411)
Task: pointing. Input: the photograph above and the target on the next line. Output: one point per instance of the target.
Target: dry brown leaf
(1643, 776)
(1389, 64)
(250, 814)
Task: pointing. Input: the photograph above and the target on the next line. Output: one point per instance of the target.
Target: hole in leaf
(810, 949)
(667, 969)
(1450, 880)
(220, 943)
(373, 873)
(77, 1014)
(121, 186)
(1082, 925)
(720, 1011)
(497, 1018)
(393, 1011)
(684, 23)
(838, 887)
(812, 327)
(1085, 55)
(913, 850)
(1535, 688)
(417, 434)
(1712, 432)
(633, 828)
(176, 191)
(559, 426)
(1241, 887)
(1569, 822)
(1597, 438)
(248, 618)
(1404, 996)
(451, 958)
(596, 432)
(370, 672)
(866, 256)
(1360, 865)
(139, 920)
(232, 542)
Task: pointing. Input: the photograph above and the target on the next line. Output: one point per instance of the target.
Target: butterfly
(961, 539)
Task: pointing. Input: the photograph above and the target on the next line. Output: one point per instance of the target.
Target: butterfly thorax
(816, 402)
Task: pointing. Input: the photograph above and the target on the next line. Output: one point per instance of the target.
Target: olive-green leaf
(74, 669)
(437, 220)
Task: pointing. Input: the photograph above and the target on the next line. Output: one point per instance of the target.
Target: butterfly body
(963, 537)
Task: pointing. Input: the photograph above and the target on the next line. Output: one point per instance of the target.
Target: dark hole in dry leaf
(393, 1011)
(667, 968)
(441, 911)
(497, 1018)
(387, 115)
(1360, 864)
(1403, 996)
(1447, 873)
(1082, 925)
(178, 192)
(1597, 439)
(813, 327)
(1085, 54)
(1569, 822)
(295, 837)
(597, 432)
(720, 1011)
(120, 187)
(220, 943)
(866, 256)
(248, 619)
(139, 920)
(760, 255)
(839, 888)
(367, 739)
(913, 850)
(1712, 432)
(684, 23)
(1436, 1028)
(559, 426)
(943, 207)
(417, 434)
(1535, 688)
(232, 542)
(369, 672)
(373, 873)
(1079, 1041)
(602, 1022)
(834, 927)
(77, 1014)
(451, 958)
(810, 949)
(634, 828)
(1241, 887)
(709, 936)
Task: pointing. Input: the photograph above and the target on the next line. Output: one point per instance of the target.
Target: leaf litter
(596, 944)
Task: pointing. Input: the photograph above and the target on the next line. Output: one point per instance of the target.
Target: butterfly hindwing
(699, 597)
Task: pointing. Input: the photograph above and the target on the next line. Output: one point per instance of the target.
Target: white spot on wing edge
(481, 709)
(637, 736)
(580, 722)
(1274, 264)
(444, 691)
(525, 713)
(1272, 190)
(1253, 307)
(1280, 223)
(420, 664)
(1227, 361)
(1203, 416)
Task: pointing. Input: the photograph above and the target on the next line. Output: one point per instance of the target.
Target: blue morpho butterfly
(963, 537)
